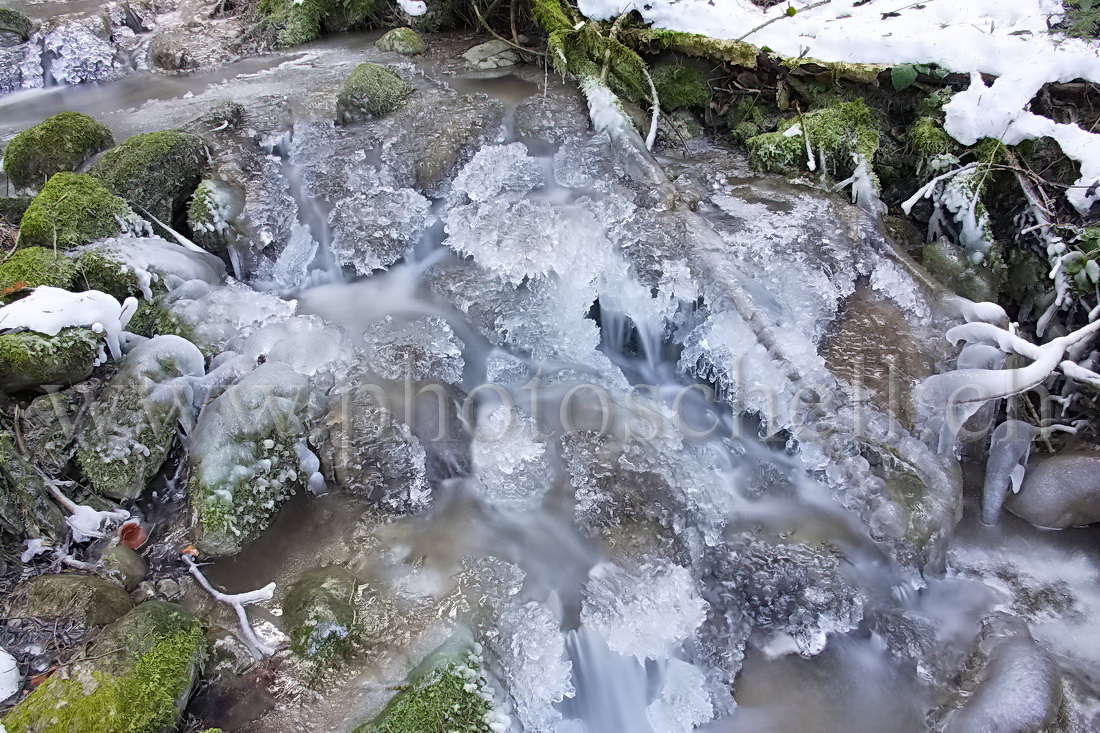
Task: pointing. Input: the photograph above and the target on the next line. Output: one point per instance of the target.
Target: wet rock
(245, 460)
(11, 66)
(137, 676)
(871, 348)
(552, 117)
(372, 90)
(319, 614)
(15, 27)
(457, 125)
(63, 142)
(129, 430)
(170, 51)
(33, 266)
(448, 691)
(124, 566)
(402, 40)
(492, 55)
(155, 170)
(26, 508)
(364, 451)
(86, 599)
(1012, 685)
(29, 359)
(70, 210)
(1060, 491)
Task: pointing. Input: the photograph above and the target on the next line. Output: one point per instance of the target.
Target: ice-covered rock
(244, 459)
(1060, 491)
(373, 229)
(210, 316)
(510, 463)
(498, 170)
(366, 452)
(683, 702)
(73, 51)
(154, 260)
(130, 428)
(529, 653)
(1013, 685)
(424, 348)
(1009, 449)
(645, 612)
(48, 310)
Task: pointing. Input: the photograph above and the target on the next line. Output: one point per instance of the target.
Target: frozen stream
(626, 455)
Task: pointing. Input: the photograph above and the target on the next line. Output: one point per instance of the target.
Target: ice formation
(373, 229)
(511, 465)
(10, 678)
(683, 702)
(1008, 453)
(646, 613)
(153, 259)
(425, 348)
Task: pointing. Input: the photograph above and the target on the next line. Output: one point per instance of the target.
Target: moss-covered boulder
(33, 266)
(26, 508)
(836, 134)
(29, 359)
(63, 142)
(244, 457)
(70, 210)
(157, 171)
(136, 677)
(15, 27)
(448, 692)
(402, 40)
(131, 426)
(86, 599)
(319, 613)
(372, 90)
(293, 22)
(680, 86)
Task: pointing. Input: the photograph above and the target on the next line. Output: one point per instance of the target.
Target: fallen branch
(238, 601)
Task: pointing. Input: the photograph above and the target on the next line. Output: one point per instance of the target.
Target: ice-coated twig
(85, 522)
(238, 601)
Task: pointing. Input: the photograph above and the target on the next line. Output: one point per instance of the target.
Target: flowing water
(680, 522)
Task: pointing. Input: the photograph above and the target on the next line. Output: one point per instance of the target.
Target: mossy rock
(949, 264)
(838, 131)
(95, 270)
(63, 142)
(319, 613)
(70, 210)
(122, 565)
(34, 266)
(402, 40)
(14, 24)
(448, 692)
(157, 171)
(86, 599)
(29, 359)
(680, 86)
(372, 90)
(26, 508)
(131, 426)
(137, 678)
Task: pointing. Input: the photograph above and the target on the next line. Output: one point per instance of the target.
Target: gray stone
(492, 55)
(124, 566)
(170, 51)
(1060, 491)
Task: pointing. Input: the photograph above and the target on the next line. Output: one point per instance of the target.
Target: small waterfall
(613, 691)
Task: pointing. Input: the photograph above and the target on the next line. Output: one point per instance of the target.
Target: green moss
(36, 266)
(26, 508)
(293, 22)
(72, 209)
(834, 71)
(343, 15)
(61, 143)
(87, 599)
(145, 698)
(156, 170)
(447, 697)
(681, 86)
(29, 359)
(927, 138)
(949, 264)
(840, 131)
(15, 23)
(371, 90)
(402, 40)
(97, 271)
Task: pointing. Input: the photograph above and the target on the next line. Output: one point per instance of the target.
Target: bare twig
(766, 23)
